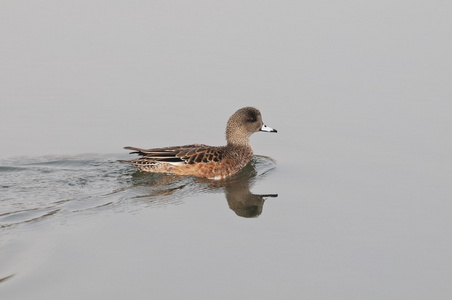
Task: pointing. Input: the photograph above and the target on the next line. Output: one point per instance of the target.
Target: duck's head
(244, 123)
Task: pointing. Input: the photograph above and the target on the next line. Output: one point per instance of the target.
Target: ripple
(6, 278)
(11, 169)
(37, 189)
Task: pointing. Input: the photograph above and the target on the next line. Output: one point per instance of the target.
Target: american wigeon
(202, 160)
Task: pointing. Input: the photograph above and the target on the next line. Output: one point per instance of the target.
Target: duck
(212, 162)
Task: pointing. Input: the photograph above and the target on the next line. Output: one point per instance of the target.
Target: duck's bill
(265, 128)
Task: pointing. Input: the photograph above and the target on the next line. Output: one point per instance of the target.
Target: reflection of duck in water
(244, 203)
(202, 160)
(237, 188)
(167, 189)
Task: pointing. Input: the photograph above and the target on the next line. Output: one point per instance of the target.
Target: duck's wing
(187, 154)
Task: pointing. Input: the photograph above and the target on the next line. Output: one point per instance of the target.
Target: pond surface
(351, 199)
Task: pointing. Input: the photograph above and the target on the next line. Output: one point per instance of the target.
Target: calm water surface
(87, 226)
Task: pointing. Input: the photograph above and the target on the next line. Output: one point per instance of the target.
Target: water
(52, 197)
(349, 200)
(88, 226)
(50, 187)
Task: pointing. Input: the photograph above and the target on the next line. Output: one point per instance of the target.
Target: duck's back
(196, 159)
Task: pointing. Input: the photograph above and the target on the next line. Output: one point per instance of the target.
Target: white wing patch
(174, 163)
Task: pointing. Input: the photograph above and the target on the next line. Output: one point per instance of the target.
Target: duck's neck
(237, 140)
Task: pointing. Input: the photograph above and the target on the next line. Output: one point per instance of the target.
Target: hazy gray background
(92, 76)
(360, 92)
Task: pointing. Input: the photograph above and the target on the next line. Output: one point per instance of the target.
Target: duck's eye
(252, 118)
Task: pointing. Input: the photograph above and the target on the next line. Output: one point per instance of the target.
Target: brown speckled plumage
(202, 160)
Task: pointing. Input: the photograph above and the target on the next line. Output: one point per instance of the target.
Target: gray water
(351, 199)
